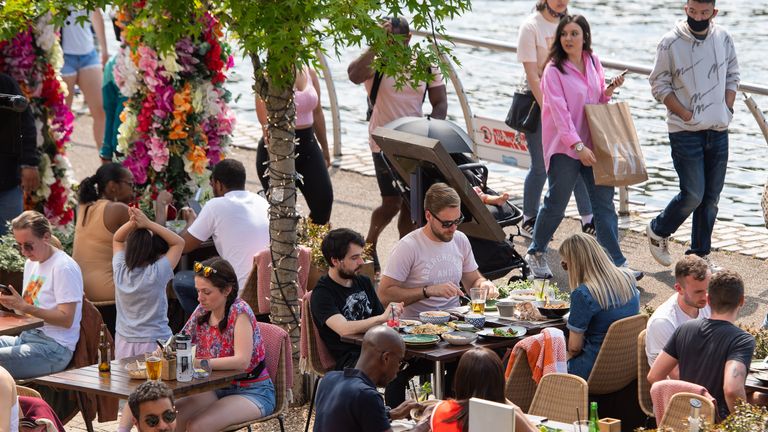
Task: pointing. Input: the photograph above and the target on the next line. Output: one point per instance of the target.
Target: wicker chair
(643, 386)
(28, 392)
(616, 363)
(278, 371)
(314, 363)
(520, 387)
(679, 408)
(560, 397)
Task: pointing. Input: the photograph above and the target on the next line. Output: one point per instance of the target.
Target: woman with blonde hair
(601, 293)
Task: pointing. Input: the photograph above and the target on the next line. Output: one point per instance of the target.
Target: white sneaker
(659, 247)
(713, 267)
(537, 262)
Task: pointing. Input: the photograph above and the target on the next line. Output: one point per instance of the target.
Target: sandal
(588, 228)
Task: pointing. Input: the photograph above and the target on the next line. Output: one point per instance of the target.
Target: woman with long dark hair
(479, 374)
(572, 79)
(533, 44)
(227, 337)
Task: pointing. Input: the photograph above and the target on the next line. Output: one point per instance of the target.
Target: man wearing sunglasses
(427, 266)
(153, 408)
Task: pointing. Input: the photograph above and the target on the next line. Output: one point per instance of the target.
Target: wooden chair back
(520, 387)
(643, 386)
(561, 397)
(679, 409)
(616, 363)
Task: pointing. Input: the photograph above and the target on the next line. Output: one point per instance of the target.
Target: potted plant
(11, 262)
(311, 235)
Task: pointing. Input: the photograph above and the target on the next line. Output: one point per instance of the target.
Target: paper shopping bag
(620, 160)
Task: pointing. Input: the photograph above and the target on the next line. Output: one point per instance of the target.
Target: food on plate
(556, 306)
(431, 329)
(435, 314)
(508, 332)
(526, 311)
(451, 336)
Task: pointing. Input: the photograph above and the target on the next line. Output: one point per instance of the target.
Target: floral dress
(211, 343)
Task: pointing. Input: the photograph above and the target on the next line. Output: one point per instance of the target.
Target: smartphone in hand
(5, 290)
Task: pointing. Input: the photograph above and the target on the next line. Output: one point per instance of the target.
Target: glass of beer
(154, 366)
(477, 297)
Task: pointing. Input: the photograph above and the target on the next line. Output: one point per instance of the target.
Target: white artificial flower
(168, 61)
(45, 34)
(125, 131)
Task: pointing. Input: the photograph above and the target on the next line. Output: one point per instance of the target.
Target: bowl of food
(435, 317)
(459, 338)
(553, 309)
(506, 307)
(136, 369)
(476, 320)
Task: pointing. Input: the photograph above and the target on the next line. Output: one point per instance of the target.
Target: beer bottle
(593, 418)
(104, 351)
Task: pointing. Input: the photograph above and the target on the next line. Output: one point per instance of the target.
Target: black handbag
(524, 114)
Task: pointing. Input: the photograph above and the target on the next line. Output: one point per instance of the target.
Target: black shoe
(526, 230)
(588, 228)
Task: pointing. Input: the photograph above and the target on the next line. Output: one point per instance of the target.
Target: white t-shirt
(77, 38)
(534, 40)
(392, 104)
(239, 225)
(417, 261)
(663, 323)
(55, 281)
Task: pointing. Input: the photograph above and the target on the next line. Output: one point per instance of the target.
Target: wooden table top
(445, 352)
(119, 384)
(12, 324)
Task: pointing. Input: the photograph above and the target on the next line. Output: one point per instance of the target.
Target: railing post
(623, 201)
(335, 113)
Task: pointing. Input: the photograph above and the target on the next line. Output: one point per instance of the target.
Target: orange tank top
(92, 250)
(443, 411)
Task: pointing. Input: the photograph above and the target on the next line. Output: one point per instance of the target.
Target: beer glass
(477, 297)
(154, 366)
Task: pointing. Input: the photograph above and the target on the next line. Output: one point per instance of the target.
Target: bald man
(348, 400)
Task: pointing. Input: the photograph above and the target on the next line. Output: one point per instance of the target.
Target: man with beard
(152, 408)
(425, 269)
(426, 266)
(692, 277)
(343, 302)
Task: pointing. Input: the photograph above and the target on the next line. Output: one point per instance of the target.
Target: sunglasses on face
(564, 265)
(205, 270)
(26, 246)
(169, 416)
(448, 224)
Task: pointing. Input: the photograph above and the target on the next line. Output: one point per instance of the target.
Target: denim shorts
(75, 62)
(261, 393)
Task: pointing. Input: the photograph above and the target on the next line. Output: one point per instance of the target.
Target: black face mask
(698, 26)
(554, 13)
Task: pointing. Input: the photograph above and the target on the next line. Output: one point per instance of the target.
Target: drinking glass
(154, 366)
(581, 426)
(539, 285)
(477, 296)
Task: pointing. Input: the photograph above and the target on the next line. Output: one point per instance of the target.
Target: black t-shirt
(348, 401)
(702, 347)
(355, 303)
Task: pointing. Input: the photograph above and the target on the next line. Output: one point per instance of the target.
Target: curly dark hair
(146, 392)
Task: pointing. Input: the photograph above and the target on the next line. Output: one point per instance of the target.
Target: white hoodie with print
(698, 72)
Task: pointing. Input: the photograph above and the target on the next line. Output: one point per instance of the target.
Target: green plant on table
(424, 391)
(761, 340)
(745, 418)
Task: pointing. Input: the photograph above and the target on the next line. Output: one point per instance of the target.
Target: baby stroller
(424, 151)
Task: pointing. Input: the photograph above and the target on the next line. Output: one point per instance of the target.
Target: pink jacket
(563, 121)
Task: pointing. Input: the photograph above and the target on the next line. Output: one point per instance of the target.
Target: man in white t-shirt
(692, 276)
(236, 219)
(390, 104)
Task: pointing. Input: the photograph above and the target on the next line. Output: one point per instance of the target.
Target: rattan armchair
(560, 397)
(679, 408)
(314, 362)
(520, 387)
(28, 392)
(616, 363)
(279, 379)
(643, 386)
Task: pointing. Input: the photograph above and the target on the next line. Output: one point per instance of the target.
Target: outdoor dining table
(444, 352)
(87, 380)
(12, 324)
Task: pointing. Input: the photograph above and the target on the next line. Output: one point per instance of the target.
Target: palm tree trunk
(281, 195)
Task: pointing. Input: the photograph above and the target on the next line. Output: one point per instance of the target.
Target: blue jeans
(11, 205)
(537, 176)
(184, 287)
(700, 159)
(32, 354)
(562, 175)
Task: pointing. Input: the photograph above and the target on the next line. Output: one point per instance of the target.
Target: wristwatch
(578, 147)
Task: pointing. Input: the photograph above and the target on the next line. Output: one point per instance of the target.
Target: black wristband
(424, 291)
(388, 412)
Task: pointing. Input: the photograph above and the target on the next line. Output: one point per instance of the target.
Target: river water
(624, 31)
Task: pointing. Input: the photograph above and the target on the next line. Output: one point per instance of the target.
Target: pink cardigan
(563, 121)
